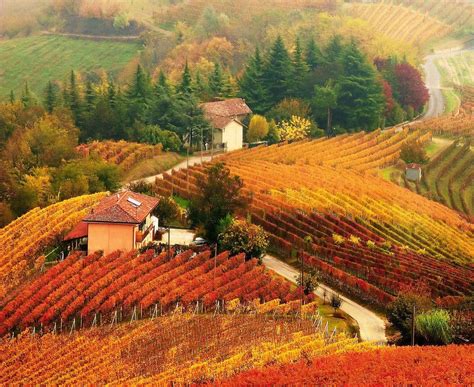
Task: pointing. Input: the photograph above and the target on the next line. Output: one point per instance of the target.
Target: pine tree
(216, 82)
(186, 85)
(111, 94)
(139, 96)
(252, 87)
(162, 87)
(313, 55)
(51, 98)
(299, 78)
(200, 87)
(277, 72)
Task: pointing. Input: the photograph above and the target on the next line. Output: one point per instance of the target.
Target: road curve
(372, 327)
(433, 83)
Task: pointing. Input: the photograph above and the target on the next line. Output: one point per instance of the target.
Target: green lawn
(37, 59)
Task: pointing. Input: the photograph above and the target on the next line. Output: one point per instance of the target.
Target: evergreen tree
(216, 82)
(299, 78)
(12, 97)
(313, 55)
(111, 94)
(139, 96)
(360, 100)
(51, 97)
(74, 99)
(186, 85)
(90, 96)
(252, 87)
(200, 88)
(27, 99)
(162, 87)
(277, 72)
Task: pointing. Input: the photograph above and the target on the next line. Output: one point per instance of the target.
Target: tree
(335, 301)
(258, 128)
(244, 237)
(299, 72)
(252, 87)
(313, 55)
(216, 82)
(51, 97)
(297, 128)
(74, 99)
(219, 195)
(410, 87)
(277, 72)
(360, 97)
(139, 96)
(273, 135)
(27, 98)
(325, 99)
(434, 327)
(413, 152)
(289, 107)
(166, 210)
(90, 97)
(12, 97)
(186, 85)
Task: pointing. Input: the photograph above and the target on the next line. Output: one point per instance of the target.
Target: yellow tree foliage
(258, 128)
(296, 129)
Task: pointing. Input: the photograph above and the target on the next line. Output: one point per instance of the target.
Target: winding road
(371, 326)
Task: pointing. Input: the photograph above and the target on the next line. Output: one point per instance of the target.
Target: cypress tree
(111, 94)
(74, 99)
(90, 96)
(252, 87)
(139, 96)
(299, 76)
(12, 97)
(277, 72)
(51, 97)
(200, 87)
(163, 87)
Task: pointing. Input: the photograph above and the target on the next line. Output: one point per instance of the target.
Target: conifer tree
(186, 85)
(216, 81)
(277, 72)
(90, 96)
(139, 95)
(200, 88)
(252, 87)
(74, 99)
(51, 97)
(12, 97)
(313, 55)
(299, 77)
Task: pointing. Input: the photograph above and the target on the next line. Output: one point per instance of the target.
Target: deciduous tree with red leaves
(411, 88)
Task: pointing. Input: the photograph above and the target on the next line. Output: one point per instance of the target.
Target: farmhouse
(226, 118)
(122, 221)
(413, 172)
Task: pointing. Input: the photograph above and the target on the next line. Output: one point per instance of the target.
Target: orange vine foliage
(23, 239)
(451, 365)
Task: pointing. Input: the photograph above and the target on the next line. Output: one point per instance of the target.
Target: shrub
(413, 152)
(258, 128)
(434, 327)
(336, 301)
(296, 128)
(244, 237)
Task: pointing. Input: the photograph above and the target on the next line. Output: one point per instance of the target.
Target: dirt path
(372, 327)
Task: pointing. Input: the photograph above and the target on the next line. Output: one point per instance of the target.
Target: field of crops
(23, 240)
(138, 283)
(367, 234)
(179, 348)
(38, 59)
(402, 23)
(401, 366)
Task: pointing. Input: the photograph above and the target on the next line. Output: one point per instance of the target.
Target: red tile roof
(221, 113)
(413, 166)
(119, 208)
(79, 231)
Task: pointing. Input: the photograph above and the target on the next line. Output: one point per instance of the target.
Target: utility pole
(212, 143)
(202, 140)
(413, 326)
(302, 285)
(169, 242)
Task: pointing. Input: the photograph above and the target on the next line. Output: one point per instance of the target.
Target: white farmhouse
(226, 118)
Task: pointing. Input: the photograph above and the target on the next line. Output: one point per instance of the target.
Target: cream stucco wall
(233, 135)
(110, 237)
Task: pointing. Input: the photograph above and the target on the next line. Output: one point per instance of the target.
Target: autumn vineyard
(237, 193)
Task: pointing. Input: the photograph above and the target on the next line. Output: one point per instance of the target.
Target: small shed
(413, 172)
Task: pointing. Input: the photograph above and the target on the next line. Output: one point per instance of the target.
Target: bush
(434, 327)
(258, 128)
(296, 128)
(244, 237)
(413, 152)
(336, 301)
(153, 134)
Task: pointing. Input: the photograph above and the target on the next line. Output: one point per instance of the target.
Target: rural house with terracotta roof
(226, 118)
(122, 221)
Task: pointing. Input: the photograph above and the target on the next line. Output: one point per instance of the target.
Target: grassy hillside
(37, 59)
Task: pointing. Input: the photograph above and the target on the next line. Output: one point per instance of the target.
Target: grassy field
(154, 166)
(37, 59)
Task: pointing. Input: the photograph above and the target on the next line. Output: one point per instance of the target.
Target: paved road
(372, 327)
